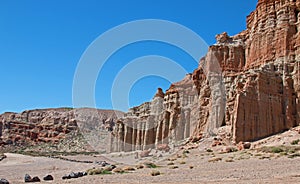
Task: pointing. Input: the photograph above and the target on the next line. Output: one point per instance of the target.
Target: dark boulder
(27, 178)
(35, 179)
(4, 181)
(48, 178)
(66, 177)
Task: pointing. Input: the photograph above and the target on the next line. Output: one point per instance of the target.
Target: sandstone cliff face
(247, 87)
(51, 125)
(261, 72)
(164, 120)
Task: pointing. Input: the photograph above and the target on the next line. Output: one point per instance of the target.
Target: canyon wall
(52, 125)
(245, 88)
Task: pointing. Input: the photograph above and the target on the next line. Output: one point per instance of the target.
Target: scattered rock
(36, 179)
(216, 143)
(27, 178)
(2, 157)
(214, 159)
(66, 177)
(243, 145)
(228, 149)
(4, 181)
(75, 175)
(102, 163)
(163, 147)
(48, 178)
(145, 153)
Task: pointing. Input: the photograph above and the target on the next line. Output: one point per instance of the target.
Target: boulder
(3, 181)
(163, 147)
(48, 178)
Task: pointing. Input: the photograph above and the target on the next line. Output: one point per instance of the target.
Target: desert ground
(248, 170)
(191, 164)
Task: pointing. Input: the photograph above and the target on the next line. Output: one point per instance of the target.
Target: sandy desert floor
(197, 165)
(237, 167)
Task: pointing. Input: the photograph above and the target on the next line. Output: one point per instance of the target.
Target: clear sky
(41, 43)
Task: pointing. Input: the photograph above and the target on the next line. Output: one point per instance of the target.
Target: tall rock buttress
(247, 86)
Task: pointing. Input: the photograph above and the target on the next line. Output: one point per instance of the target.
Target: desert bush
(182, 162)
(128, 168)
(150, 165)
(94, 171)
(209, 150)
(215, 159)
(170, 163)
(295, 142)
(154, 173)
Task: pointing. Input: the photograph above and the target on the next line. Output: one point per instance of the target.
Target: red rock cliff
(247, 87)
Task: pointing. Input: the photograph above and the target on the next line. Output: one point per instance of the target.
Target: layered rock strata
(51, 125)
(246, 87)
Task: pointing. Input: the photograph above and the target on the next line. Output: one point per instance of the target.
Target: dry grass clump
(155, 173)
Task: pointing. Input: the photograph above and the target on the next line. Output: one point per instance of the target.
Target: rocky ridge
(33, 127)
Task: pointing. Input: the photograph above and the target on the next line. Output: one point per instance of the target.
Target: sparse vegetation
(94, 171)
(276, 150)
(182, 162)
(174, 167)
(170, 163)
(209, 150)
(53, 153)
(280, 149)
(155, 173)
(128, 168)
(150, 165)
(215, 159)
(106, 172)
(295, 142)
(172, 159)
(118, 170)
(229, 160)
(140, 166)
(185, 152)
(98, 171)
(294, 155)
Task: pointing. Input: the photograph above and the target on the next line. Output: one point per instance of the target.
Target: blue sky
(41, 43)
